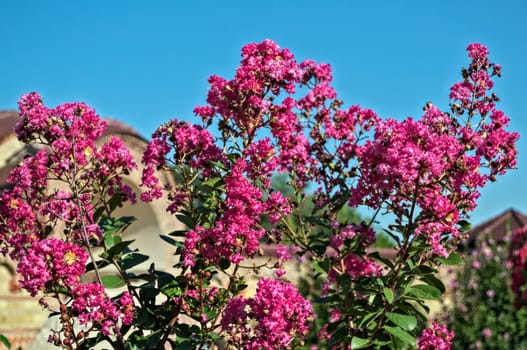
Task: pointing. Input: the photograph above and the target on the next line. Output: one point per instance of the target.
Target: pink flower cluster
(51, 260)
(435, 338)
(60, 187)
(346, 243)
(271, 319)
(93, 307)
(70, 155)
(434, 163)
(242, 101)
(176, 143)
(238, 230)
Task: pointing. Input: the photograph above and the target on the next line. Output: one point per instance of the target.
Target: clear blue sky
(143, 62)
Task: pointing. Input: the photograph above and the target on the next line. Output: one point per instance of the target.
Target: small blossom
(435, 338)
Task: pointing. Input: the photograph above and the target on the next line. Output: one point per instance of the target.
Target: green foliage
(484, 315)
(383, 241)
(5, 341)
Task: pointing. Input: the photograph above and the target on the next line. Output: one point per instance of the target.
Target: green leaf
(321, 266)
(115, 201)
(133, 259)
(366, 319)
(215, 182)
(359, 343)
(112, 281)
(401, 334)
(224, 263)
(178, 233)
(425, 291)
(453, 259)
(111, 225)
(5, 341)
(172, 289)
(434, 281)
(185, 220)
(406, 322)
(100, 264)
(464, 225)
(168, 239)
(118, 248)
(388, 294)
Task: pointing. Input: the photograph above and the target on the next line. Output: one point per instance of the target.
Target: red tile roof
(499, 227)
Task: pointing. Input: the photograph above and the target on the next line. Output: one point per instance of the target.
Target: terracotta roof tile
(499, 227)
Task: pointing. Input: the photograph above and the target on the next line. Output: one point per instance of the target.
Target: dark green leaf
(224, 263)
(423, 270)
(133, 259)
(185, 220)
(115, 201)
(425, 291)
(111, 225)
(464, 225)
(112, 281)
(148, 291)
(321, 266)
(5, 341)
(118, 248)
(397, 332)
(434, 281)
(178, 233)
(384, 260)
(145, 319)
(100, 264)
(168, 239)
(406, 322)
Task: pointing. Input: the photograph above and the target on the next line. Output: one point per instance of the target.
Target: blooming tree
(275, 115)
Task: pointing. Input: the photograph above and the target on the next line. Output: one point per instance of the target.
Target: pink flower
(477, 51)
(279, 312)
(51, 260)
(435, 338)
(282, 253)
(461, 91)
(486, 332)
(94, 307)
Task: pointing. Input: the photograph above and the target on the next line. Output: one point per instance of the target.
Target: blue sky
(143, 62)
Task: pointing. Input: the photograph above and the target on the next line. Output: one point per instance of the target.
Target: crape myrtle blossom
(275, 115)
(427, 171)
(54, 260)
(237, 231)
(61, 186)
(438, 337)
(94, 307)
(436, 161)
(191, 145)
(280, 313)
